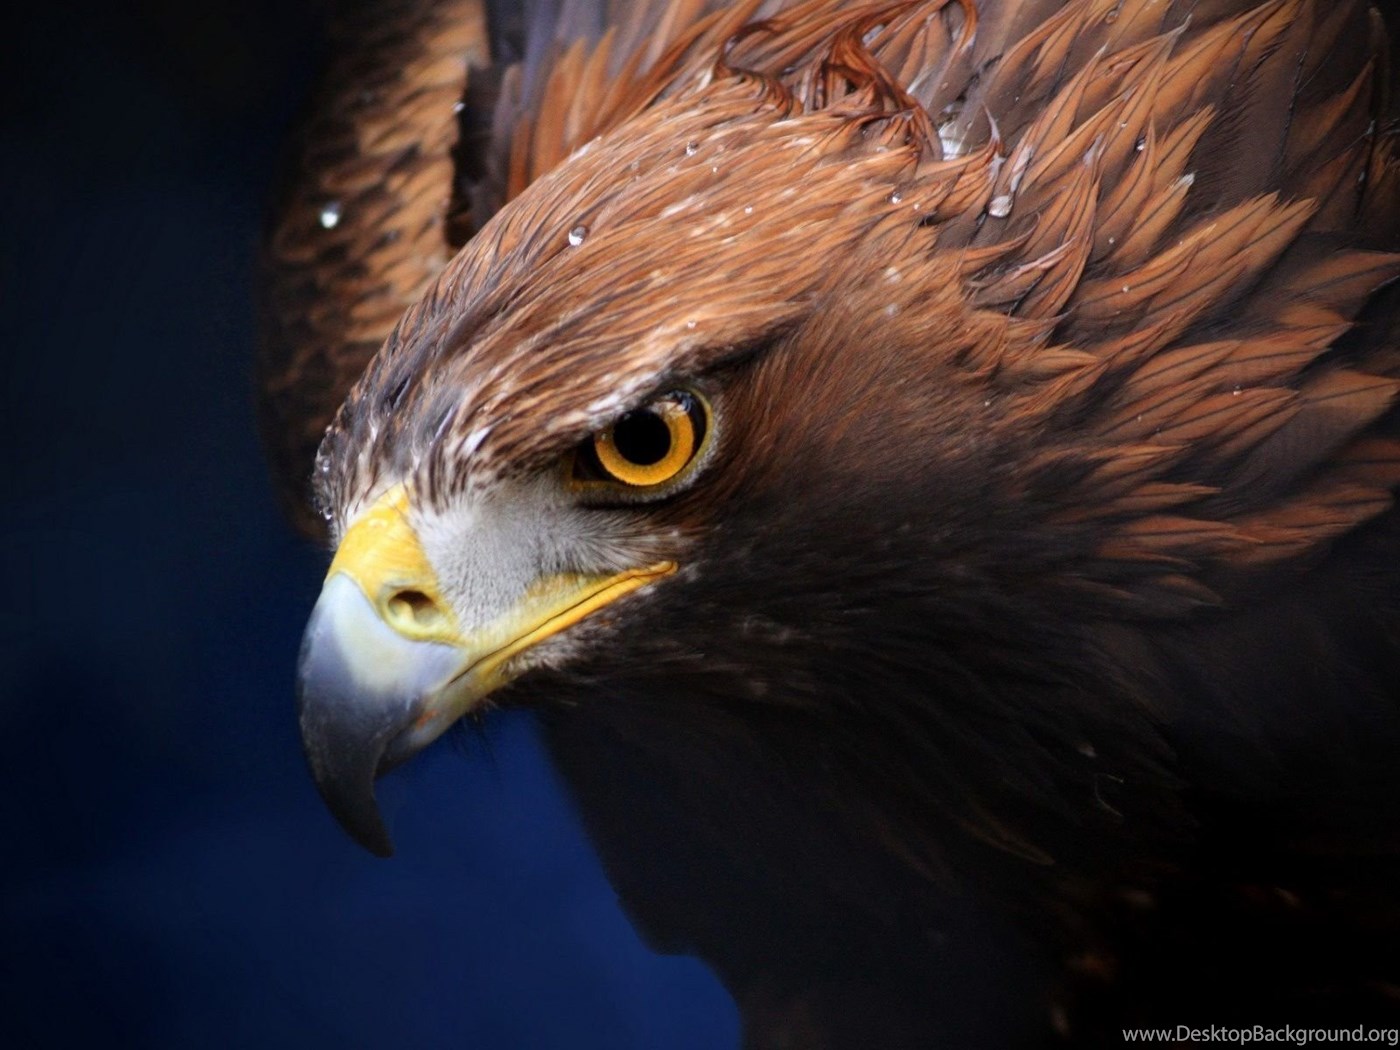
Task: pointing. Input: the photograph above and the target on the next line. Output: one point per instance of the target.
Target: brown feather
(361, 236)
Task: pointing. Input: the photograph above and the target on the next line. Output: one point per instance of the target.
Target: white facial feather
(488, 548)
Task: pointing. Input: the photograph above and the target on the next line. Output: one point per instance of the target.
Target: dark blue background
(171, 879)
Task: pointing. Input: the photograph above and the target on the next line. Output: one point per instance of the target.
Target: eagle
(930, 465)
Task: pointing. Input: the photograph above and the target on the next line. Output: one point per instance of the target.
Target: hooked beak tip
(344, 776)
(356, 810)
(365, 825)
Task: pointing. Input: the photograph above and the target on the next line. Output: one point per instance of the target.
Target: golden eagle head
(844, 376)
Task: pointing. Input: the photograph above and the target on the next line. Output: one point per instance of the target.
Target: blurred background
(171, 878)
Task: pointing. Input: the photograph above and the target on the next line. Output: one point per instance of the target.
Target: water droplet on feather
(577, 236)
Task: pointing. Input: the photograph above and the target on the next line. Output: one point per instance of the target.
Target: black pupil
(642, 437)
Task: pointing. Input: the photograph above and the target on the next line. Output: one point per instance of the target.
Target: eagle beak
(363, 688)
(385, 669)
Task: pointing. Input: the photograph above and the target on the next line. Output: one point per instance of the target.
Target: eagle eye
(647, 448)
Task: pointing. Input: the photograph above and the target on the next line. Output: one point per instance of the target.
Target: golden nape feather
(1025, 603)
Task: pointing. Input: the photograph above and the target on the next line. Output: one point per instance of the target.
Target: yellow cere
(381, 553)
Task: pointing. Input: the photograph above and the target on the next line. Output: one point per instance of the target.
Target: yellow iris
(647, 447)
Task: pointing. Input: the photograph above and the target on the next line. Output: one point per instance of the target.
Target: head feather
(1143, 237)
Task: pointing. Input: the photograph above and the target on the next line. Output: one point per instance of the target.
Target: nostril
(414, 609)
